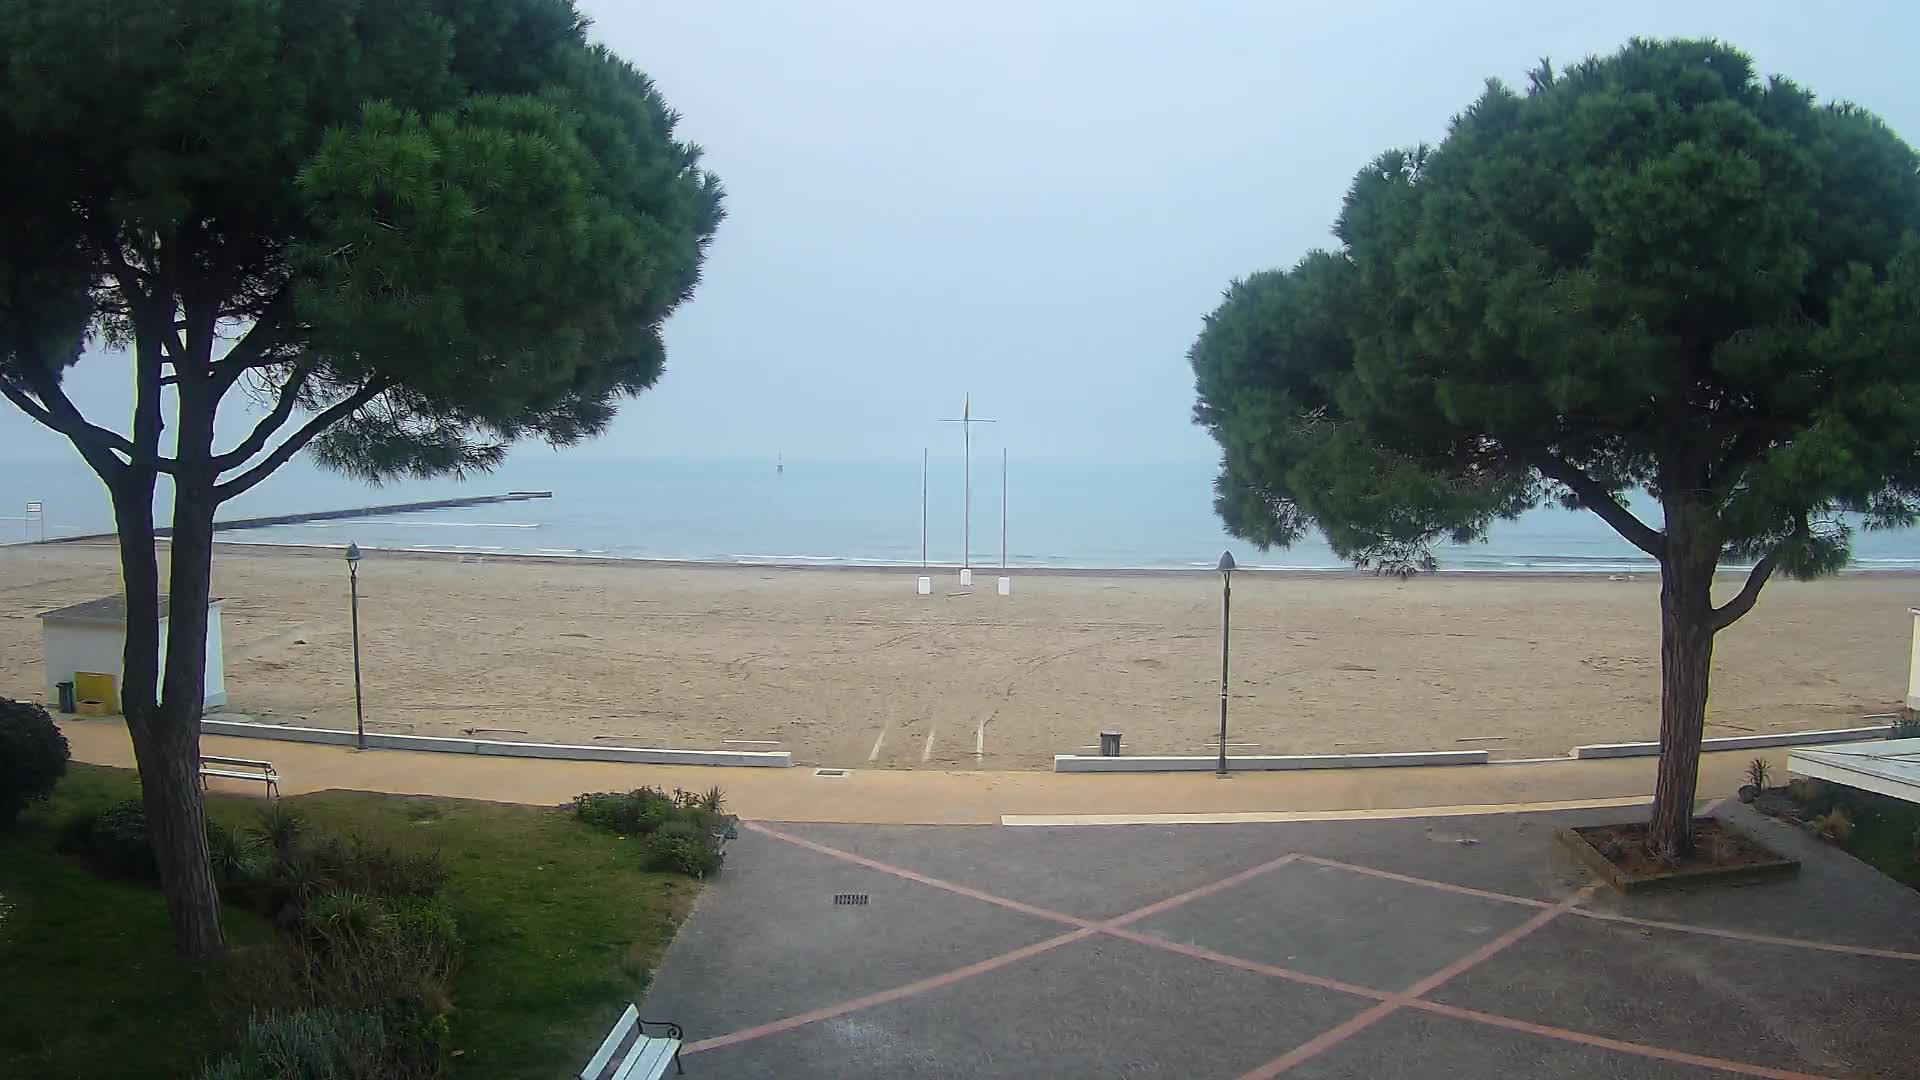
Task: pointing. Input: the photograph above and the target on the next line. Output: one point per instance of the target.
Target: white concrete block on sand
(923, 586)
(966, 577)
(780, 759)
(1146, 763)
(1735, 742)
(1005, 587)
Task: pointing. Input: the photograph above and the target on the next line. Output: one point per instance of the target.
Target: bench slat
(255, 777)
(649, 1059)
(614, 1038)
(268, 765)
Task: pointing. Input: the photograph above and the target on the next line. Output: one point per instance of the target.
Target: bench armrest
(673, 1029)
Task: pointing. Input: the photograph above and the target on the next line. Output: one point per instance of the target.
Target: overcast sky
(1036, 202)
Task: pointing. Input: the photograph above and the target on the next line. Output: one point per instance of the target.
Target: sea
(1156, 516)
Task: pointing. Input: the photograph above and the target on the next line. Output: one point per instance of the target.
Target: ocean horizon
(1058, 515)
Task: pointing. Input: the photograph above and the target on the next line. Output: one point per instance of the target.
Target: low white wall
(1142, 763)
(1735, 742)
(634, 754)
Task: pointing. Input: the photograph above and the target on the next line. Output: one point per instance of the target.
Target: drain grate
(850, 899)
(829, 772)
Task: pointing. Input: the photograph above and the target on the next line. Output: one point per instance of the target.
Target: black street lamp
(1226, 627)
(353, 585)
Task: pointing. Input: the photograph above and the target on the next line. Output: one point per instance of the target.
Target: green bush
(393, 1042)
(277, 827)
(630, 813)
(696, 855)
(33, 757)
(237, 861)
(119, 844)
(303, 870)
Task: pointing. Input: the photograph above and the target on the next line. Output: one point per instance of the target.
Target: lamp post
(353, 586)
(1226, 628)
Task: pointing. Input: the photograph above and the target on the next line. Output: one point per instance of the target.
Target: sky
(1035, 203)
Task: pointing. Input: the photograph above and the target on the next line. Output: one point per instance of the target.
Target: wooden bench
(629, 1053)
(233, 768)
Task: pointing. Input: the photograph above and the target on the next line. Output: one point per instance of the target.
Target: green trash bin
(67, 703)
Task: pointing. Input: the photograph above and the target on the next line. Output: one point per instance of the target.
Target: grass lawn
(562, 929)
(1886, 835)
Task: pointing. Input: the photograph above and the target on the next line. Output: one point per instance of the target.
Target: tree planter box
(1749, 859)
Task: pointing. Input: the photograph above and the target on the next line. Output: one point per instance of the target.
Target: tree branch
(328, 417)
(1728, 613)
(1601, 501)
(272, 422)
(57, 411)
(261, 337)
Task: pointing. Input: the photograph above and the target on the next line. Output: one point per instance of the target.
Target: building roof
(110, 610)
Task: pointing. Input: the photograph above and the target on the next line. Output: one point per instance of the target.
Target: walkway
(1454, 947)
(928, 797)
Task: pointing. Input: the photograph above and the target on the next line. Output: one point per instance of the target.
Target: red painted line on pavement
(910, 875)
(1334, 1036)
(1387, 1002)
(884, 996)
(1086, 928)
(1642, 1049)
(1171, 902)
(1201, 953)
(1589, 913)
(1741, 935)
(1326, 1040)
(1427, 883)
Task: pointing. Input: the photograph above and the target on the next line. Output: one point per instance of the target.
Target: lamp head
(353, 554)
(1226, 562)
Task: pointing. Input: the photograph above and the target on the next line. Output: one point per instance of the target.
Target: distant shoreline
(938, 570)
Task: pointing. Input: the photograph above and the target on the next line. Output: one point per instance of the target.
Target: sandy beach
(850, 668)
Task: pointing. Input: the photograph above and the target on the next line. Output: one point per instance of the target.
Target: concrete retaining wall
(1144, 763)
(633, 754)
(1735, 742)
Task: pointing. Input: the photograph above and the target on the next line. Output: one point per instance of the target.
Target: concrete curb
(488, 747)
(1735, 742)
(1144, 763)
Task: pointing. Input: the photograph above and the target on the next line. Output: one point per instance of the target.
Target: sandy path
(850, 668)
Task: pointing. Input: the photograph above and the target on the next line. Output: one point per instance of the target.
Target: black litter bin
(67, 703)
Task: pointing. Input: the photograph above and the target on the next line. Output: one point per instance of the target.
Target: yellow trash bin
(91, 686)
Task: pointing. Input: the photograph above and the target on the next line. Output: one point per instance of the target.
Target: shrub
(1834, 825)
(697, 855)
(713, 800)
(393, 1042)
(1759, 772)
(236, 860)
(1804, 790)
(279, 827)
(338, 923)
(329, 864)
(119, 843)
(684, 828)
(631, 813)
(379, 870)
(33, 757)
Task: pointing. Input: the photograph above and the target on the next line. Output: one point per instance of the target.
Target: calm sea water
(1065, 515)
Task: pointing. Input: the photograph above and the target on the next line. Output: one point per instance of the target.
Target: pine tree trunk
(176, 810)
(166, 751)
(1686, 661)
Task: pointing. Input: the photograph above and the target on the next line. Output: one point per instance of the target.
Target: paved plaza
(1444, 947)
